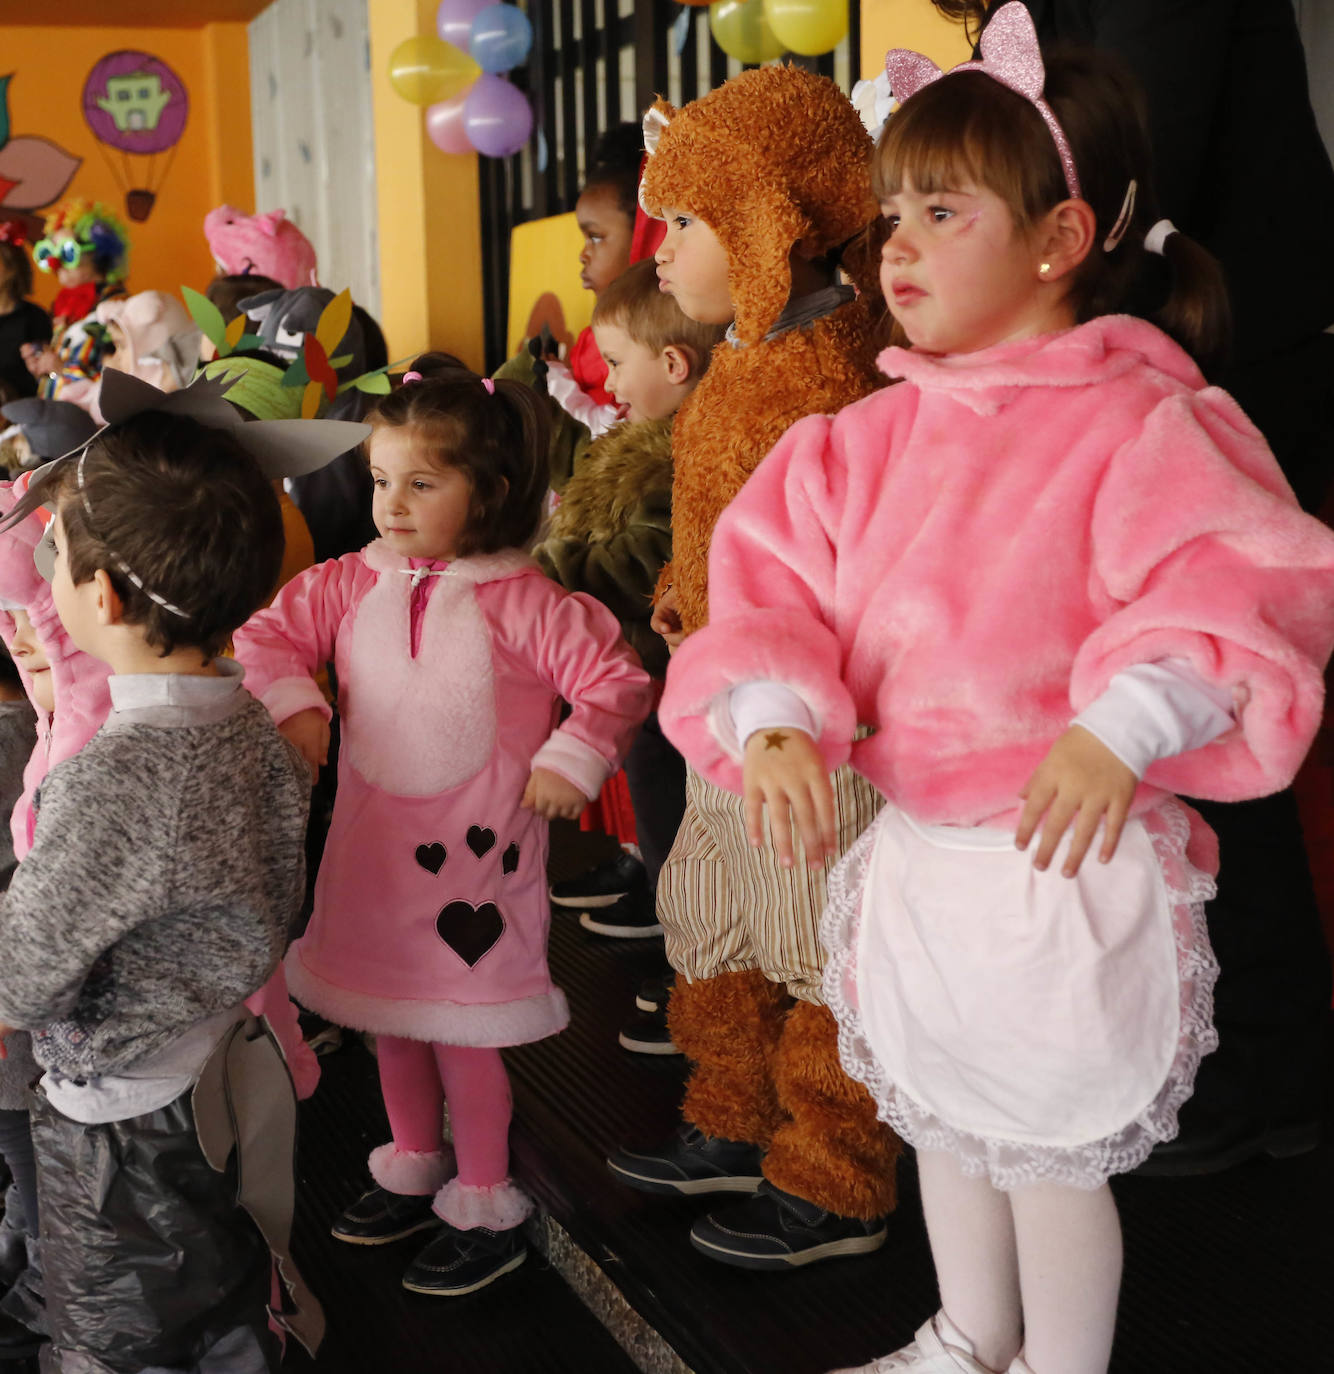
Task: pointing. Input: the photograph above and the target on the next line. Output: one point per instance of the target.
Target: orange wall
(213, 157)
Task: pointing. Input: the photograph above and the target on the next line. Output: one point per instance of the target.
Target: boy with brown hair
(610, 536)
(165, 870)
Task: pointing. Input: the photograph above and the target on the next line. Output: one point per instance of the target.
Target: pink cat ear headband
(1010, 55)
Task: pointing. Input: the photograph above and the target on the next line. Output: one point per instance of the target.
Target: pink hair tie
(411, 377)
(489, 385)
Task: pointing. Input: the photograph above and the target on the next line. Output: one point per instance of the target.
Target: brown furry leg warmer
(728, 1026)
(832, 1150)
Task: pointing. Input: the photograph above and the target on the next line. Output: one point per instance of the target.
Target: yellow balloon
(426, 70)
(808, 26)
(741, 30)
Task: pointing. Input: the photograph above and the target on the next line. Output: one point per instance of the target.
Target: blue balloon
(501, 38)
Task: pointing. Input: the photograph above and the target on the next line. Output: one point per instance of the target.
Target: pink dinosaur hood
(268, 245)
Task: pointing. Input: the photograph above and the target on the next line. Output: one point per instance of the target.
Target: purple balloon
(145, 116)
(453, 20)
(444, 126)
(497, 116)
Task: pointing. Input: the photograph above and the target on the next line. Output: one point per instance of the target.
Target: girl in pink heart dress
(453, 654)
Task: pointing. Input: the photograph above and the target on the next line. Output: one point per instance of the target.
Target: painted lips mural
(34, 172)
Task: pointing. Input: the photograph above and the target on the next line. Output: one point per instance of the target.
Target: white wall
(310, 94)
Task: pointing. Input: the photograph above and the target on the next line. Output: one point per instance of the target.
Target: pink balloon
(497, 116)
(444, 125)
(453, 20)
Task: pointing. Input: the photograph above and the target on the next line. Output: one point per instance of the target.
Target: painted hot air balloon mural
(137, 107)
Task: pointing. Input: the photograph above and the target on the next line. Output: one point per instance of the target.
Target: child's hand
(666, 620)
(782, 769)
(40, 359)
(551, 795)
(309, 731)
(1080, 780)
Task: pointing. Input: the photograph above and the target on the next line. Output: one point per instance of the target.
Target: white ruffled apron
(1040, 1028)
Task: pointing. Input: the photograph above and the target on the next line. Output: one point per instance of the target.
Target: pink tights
(1040, 1264)
(417, 1078)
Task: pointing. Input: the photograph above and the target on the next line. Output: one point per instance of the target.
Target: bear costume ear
(656, 118)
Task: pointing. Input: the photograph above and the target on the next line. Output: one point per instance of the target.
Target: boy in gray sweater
(166, 867)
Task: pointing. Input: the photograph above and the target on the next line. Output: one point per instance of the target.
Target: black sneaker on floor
(378, 1217)
(1209, 1142)
(632, 917)
(603, 885)
(646, 1033)
(459, 1262)
(690, 1162)
(654, 992)
(776, 1230)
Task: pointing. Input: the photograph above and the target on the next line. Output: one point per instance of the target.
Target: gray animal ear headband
(280, 448)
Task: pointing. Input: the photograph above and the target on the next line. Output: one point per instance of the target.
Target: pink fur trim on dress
(410, 1173)
(498, 1208)
(491, 1024)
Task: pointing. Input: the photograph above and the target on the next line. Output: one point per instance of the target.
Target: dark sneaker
(378, 1217)
(632, 917)
(321, 1035)
(646, 1033)
(690, 1162)
(459, 1262)
(654, 992)
(776, 1230)
(1209, 1142)
(603, 885)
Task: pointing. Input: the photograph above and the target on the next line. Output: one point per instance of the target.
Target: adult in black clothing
(21, 321)
(1240, 166)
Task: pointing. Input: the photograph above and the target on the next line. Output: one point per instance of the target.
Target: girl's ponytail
(1196, 312)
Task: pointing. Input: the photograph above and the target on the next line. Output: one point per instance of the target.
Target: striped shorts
(727, 907)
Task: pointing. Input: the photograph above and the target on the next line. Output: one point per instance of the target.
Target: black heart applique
(509, 860)
(431, 856)
(470, 931)
(481, 839)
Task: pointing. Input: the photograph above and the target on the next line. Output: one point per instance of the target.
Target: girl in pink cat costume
(1062, 578)
(453, 652)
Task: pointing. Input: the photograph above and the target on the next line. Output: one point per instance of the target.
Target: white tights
(1038, 1267)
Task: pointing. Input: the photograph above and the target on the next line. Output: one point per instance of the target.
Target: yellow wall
(910, 24)
(213, 158)
(429, 236)
(915, 24)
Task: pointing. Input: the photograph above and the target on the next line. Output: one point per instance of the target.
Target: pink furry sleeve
(578, 648)
(771, 600)
(283, 646)
(1204, 555)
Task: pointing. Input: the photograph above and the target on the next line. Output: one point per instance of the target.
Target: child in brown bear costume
(764, 186)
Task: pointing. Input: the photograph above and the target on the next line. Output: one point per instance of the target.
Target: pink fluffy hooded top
(431, 907)
(963, 561)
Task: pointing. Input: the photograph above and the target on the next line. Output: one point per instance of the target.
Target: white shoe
(940, 1348)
